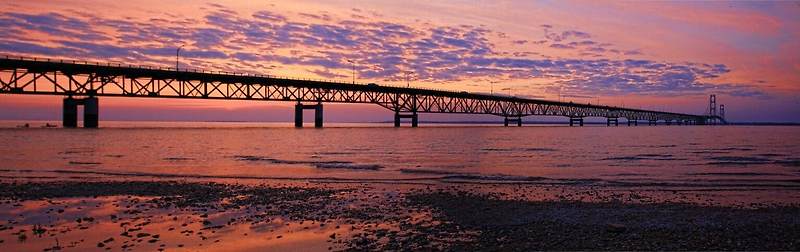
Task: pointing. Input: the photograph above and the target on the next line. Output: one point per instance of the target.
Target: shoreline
(186, 215)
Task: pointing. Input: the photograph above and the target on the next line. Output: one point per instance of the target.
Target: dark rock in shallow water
(471, 222)
(615, 228)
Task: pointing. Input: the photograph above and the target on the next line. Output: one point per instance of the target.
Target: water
(679, 156)
(142, 185)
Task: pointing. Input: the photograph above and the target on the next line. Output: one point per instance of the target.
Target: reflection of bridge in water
(83, 82)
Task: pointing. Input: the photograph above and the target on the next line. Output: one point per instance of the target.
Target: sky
(651, 55)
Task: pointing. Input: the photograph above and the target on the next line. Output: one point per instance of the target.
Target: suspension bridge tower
(712, 109)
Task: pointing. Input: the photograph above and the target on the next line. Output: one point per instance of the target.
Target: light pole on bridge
(353, 63)
(177, 56)
(491, 86)
(408, 83)
(559, 93)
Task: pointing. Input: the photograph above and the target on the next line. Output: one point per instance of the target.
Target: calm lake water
(696, 156)
(131, 185)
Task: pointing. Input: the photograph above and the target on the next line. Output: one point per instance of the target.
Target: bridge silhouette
(83, 82)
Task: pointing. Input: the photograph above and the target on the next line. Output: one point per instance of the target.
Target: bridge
(81, 83)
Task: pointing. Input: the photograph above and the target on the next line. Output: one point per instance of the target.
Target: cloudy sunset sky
(652, 55)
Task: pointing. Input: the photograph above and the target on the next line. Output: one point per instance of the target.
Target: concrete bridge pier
(635, 122)
(298, 114)
(70, 113)
(318, 116)
(508, 120)
(573, 120)
(612, 119)
(414, 118)
(91, 109)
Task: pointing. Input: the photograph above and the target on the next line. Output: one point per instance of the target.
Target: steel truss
(27, 76)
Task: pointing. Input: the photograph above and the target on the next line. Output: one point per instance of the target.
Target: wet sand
(158, 214)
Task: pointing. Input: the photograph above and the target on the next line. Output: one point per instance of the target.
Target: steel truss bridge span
(91, 80)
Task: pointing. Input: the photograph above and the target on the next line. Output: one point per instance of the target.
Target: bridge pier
(91, 109)
(612, 119)
(573, 120)
(635, 122)
(652, 122)
(70, 113)
(518, 120)
(414, 119)
(298, 114)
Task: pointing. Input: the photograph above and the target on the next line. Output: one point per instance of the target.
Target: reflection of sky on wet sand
(176, 229)
(142, 223)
